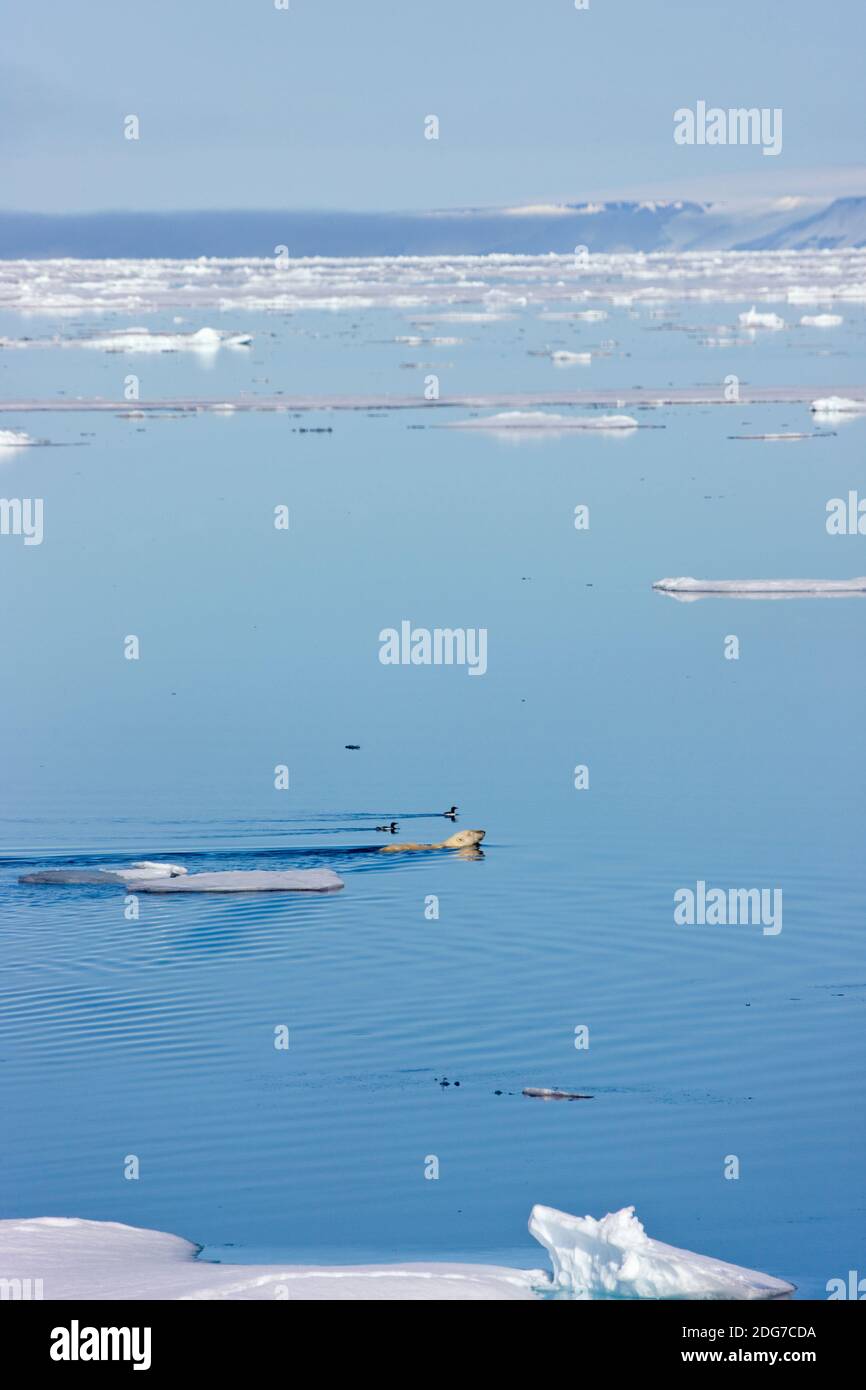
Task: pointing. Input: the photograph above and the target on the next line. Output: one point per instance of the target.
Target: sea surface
(154, 1036)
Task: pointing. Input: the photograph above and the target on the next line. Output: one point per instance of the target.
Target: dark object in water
(542, 1093)
(392, 828)
(452, 814)
(355, 746)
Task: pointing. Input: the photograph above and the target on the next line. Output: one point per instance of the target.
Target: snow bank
(241, 881)
(542, 420)
(752, 319)
(761, 586)
(78, 1259)
(615, 1258)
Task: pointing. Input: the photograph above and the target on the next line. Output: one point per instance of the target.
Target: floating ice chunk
(837, 407)
(761, 586)
(142, 340)
(752, 319)
(14, 439)
(545, 1093)
(821, 320)
(615, 1258)
(567, 359)
(241, 881)
(143, 869)
(543, 420)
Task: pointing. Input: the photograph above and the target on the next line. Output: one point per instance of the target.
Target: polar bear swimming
(464, 839)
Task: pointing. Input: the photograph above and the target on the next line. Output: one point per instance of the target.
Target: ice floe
(540, 420)
(821, 320)
(752, 318)
(246, 881)
(764, 587)
(144, 869)
(67, 1258)
(14, 439)
(615, 1258)
(469, 289)
(567, 359)
(838, 407)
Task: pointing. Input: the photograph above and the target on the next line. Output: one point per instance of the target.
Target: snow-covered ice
(821, 320)
(14, 439)
(567, 359)
(614, 1257)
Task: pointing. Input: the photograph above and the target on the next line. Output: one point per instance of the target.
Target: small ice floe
(241, 881)
(142, 340)
(760, 588)
(14, 439)
(753, 319)
(821, 320)
(224, 407)
(615, 1258)
(838, 408)
(542, 1093)
(143, 870)
(539, 420)
(561, 358)
(785, 438)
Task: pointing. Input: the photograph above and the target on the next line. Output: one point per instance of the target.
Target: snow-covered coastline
(69, 1258)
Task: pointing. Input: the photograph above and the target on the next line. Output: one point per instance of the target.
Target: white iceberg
(143, 870)
(821, 320)
(615, 1258)
(753, 319)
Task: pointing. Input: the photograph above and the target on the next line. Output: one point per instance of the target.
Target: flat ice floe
(821, 320)
(767, 588)
(539, 420)
(562, 358)
(142, 340)
(615, 1258)
(245, 881)
(77, 1259)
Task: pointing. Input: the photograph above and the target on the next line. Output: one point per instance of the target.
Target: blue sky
(243, 105)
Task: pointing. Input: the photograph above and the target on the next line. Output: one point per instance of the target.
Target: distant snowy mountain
(532, 230)
(841, 224)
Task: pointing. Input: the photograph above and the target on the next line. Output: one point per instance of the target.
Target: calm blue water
(155, 1037)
